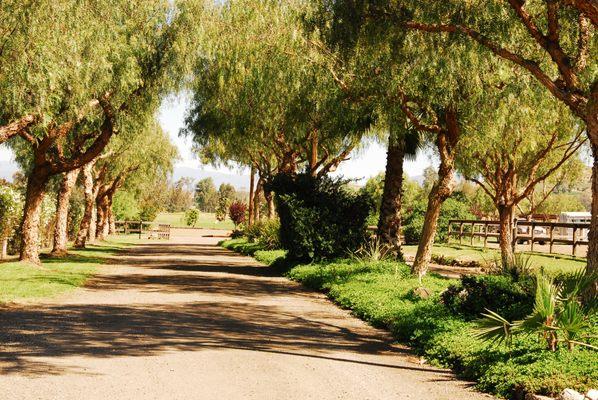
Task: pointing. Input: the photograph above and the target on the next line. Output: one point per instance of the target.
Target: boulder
(592, 394)
(570, 394)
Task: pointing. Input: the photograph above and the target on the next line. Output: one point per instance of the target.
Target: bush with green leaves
(265, 232)
(474, 294)
(191, 216)
(455, 207)
(558, 316)
(319, 217)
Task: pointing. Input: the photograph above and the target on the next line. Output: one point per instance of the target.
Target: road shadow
(230, 319)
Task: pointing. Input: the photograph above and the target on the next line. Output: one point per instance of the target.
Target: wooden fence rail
(567, 233)
(158, 231)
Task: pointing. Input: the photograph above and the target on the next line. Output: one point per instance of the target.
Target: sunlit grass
(552, 263)
(205, 221)
(20, 281)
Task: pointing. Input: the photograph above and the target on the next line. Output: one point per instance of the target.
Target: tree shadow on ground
(243, 310)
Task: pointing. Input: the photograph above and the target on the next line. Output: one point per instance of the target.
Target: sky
(363, 164)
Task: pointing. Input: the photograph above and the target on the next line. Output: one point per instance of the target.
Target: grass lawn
(55, 276)
(552, 263)
(205, 220)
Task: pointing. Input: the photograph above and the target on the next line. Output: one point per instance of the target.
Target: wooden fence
(567, 233)
(154, 231)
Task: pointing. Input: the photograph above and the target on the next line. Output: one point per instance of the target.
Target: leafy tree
(110, 75)
(263, 98)
(179, 196)
(206, 196)
(227, 191)
(527, 139)
(10, 213)
(554, 42)
(125, 206)
(222, 210)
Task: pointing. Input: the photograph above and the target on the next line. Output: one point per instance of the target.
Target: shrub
(474, 294)
(319, 217)
(453, 208)
(236, 212)
(191, 216)
(265, 233)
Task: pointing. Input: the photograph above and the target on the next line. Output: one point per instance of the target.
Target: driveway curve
(186, 319)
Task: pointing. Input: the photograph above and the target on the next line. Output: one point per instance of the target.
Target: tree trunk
(251, 193)
(592, 256)
(257, 200)
(4, 252)
(270, 202)
(441, 190)
(91, 235)
(102, 219)
(36, 187)
(505, 215)
(313, 155)
(111, 221)
(389, 224)
(86, 221)
(446, 141)
(62, 211)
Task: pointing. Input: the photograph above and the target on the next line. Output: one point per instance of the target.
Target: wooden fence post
(472, 230)
(485, 234)
(551, 238)
(461, 233)
(574, 240)
(532, 237)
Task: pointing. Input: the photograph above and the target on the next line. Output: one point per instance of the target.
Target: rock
(570, 394)
(531, 396)
(421, 292)
(592, 394)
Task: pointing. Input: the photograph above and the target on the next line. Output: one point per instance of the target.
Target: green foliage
(270, 257)
(385, 298)
(191, 216)
(241, 245)
(474, 294)
(455, 207)
(372, 250)
(179, 197)
(558, 315)
(206, 195)
(264, 232)
(319, 217)
(11, 205)
(125, 206)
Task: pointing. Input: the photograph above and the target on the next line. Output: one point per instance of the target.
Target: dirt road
(186, 319)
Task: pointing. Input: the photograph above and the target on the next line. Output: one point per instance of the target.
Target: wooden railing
(157, 231)
(567, 233)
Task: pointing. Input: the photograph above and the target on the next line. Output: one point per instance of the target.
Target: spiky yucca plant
(558, 315)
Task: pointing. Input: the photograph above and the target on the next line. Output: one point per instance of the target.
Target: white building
(580, 217)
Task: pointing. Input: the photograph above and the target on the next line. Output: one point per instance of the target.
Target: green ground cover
(19, 281)
(551, 263)
(384, 294)
(205, 221)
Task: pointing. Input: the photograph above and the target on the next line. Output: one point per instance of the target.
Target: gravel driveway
(186, 319)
